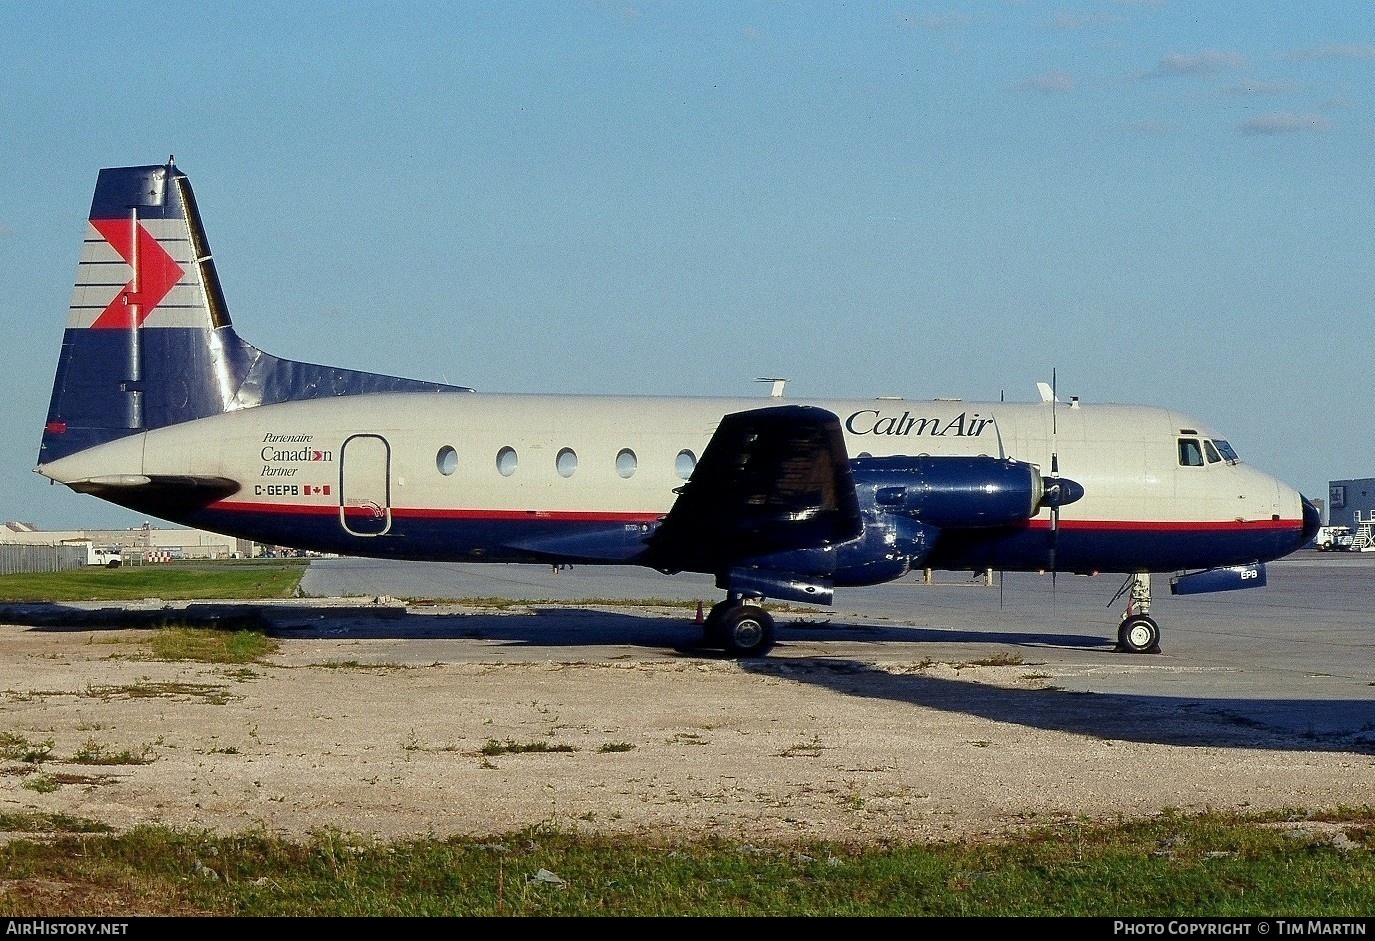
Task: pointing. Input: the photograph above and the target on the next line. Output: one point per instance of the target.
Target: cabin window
(1190, 454)
(566, 462)
(685, 463)
(1211, 452)
(507, 461)
(626, 462)
(446, 460)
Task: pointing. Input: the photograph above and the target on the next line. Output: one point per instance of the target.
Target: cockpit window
(1190, 454)
(1211, 452)
(1228, 454)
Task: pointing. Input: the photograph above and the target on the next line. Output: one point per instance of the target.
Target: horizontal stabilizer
(158, 494)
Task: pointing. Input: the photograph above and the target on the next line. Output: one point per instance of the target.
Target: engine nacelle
(952, 492)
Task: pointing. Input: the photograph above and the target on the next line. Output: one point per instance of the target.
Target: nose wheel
(1138, 632)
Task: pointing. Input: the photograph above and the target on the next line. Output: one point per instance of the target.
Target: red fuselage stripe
(402, 512)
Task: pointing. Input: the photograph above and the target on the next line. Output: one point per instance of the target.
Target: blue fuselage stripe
(1119, 549)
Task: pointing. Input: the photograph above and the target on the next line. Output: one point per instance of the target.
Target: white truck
(109, 558)
(1334, 539)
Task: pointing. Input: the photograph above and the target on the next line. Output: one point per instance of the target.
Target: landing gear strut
(1138, 632)
(742, 629)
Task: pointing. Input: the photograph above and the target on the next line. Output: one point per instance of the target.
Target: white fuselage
(580, 459)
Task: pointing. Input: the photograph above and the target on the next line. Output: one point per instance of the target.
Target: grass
(209, 645)
(170, 582)
(1204, 866)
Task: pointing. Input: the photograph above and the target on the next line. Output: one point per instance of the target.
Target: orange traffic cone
(699, 612)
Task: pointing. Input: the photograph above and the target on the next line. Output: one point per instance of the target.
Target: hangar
(1351, 503)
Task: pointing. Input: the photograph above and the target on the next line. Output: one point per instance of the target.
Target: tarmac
(1295, 657)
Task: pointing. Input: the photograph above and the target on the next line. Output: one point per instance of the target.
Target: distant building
(141, 544)
(1351, 502)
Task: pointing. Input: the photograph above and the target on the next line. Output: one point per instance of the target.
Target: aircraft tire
(1138, 634)
(746, 630)
(712, 635)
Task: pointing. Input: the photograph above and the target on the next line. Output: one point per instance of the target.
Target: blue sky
(1164, 202)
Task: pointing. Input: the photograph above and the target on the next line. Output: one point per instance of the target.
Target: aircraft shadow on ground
(1163, 720)
(537, 626)
(1155, 720)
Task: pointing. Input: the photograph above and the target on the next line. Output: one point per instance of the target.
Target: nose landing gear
(1138, 632)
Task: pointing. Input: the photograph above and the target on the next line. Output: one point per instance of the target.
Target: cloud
(1208, 62)
(1049, 83)
(1067, 20)
(1339, 50)
(1242, 89)
(1152, 128)
(621, 11)
(1284, 122)
(932, 20)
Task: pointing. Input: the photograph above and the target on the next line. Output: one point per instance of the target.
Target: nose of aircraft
(1312, 519)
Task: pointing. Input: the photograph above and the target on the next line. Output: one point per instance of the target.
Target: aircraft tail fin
(149, 341)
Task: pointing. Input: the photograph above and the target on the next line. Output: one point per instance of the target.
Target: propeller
(1054, 508)
(1054, 487)
(1058, 490)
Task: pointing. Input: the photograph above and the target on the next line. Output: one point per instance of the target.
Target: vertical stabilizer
(149, 341)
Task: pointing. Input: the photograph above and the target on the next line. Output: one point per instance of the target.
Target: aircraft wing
(771, 480)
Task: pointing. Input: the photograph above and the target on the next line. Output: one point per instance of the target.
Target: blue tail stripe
(119, 189)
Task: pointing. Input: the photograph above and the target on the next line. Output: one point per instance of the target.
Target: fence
(16, 558)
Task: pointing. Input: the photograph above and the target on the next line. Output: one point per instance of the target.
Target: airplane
(159, 406)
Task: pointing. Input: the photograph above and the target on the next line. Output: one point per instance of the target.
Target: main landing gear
(1138, 632)
(739, 626)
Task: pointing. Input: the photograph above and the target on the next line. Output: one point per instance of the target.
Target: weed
(997, 660)
(811, 749)
(511, 747)
(41, 783)
(16, 747)
(49, 823)
(94, 753)
(210, 693)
